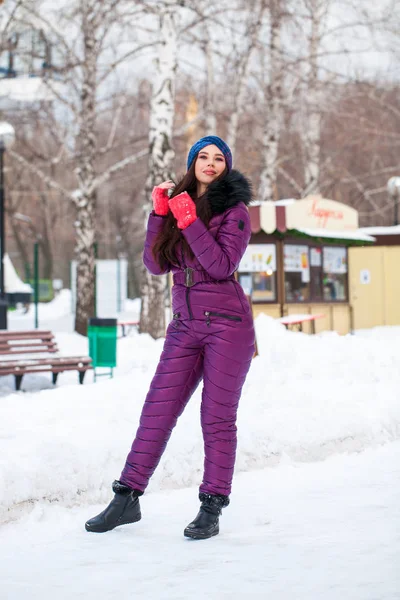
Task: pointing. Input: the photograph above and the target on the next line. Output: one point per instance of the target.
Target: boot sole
(198, 536)
(90, 530)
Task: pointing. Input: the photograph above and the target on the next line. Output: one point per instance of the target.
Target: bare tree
(85, 63)
(312, 98)
(272, 90)
(161, 155)
(210, 116)
(254, 17)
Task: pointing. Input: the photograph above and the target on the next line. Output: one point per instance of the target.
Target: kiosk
(297, 260)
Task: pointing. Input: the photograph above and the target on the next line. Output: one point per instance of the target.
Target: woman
(199, 234)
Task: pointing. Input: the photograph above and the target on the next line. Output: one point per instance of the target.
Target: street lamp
(7, 137)
(393, 187)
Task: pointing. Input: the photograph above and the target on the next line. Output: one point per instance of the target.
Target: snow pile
(306, 397)
(132, 307)
(60, 305)
(13, 283)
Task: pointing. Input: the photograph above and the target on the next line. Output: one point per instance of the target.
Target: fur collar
(228, 192)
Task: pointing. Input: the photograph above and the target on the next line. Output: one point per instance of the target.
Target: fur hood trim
(228, 192)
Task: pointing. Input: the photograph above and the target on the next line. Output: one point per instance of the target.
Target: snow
(286, 202)
(323, 530)
(297, 318)
(13, 283)
(7, 133)
(341, 235)
(393, 230)
(315, 504)
(28, 89)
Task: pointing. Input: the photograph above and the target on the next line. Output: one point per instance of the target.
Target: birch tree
(210, 116)
(312, 98)
(241, 65)
(93, 29)
(161, 154)
(273, 80)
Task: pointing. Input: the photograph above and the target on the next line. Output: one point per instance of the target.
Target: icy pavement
(327, 530)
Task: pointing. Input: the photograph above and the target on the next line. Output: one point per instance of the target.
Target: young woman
(199, 234)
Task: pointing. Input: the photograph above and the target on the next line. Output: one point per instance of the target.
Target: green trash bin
(102, 335)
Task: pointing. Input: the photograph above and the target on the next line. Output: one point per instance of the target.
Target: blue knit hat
(208, 141)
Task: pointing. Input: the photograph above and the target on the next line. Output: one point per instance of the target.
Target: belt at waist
(189, 277)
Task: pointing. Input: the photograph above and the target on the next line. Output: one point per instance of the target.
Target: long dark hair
(166, 244)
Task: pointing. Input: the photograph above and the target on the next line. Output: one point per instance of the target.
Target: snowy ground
(325, 530)
(307, 519)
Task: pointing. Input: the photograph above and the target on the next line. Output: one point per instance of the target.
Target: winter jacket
(206, 282)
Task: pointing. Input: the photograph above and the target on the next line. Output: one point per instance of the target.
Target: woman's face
(210, 164)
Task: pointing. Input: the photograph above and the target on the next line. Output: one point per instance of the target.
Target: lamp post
(393, 186)
(7, 137)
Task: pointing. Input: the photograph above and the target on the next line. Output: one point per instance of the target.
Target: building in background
(298, 260)
(375, 279)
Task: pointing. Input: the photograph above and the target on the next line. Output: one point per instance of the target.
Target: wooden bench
(28, 343)
(126, 326)
(298, 320)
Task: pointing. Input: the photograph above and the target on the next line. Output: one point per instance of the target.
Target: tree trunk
(241, 71)
(311, 122)
(85, 273)
(209, 109)
(85, 200)
(25, 248)
(274, 108)
(152, 315)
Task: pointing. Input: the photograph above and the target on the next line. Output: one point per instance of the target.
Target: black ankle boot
(123, 509)
(206, 524)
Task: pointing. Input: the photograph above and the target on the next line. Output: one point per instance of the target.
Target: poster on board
(335, 260)
(258, 258)
(296, 261)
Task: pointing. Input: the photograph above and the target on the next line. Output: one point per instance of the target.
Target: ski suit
(210, 337)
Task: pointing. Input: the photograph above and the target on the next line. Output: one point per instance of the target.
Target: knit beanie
(207, 141)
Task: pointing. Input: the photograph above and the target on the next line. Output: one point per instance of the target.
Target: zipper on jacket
(209, 314)
(188, 288)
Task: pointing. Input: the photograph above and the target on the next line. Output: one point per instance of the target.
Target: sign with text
(316, 212)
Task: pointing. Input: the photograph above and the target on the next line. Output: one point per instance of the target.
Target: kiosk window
(260, 286)
(297, 273)
(257, 272)
(317, 294)
(335, 274)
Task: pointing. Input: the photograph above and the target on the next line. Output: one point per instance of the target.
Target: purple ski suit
(211, 337)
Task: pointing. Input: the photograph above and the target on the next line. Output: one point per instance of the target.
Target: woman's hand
(184, 210)
(159, 195)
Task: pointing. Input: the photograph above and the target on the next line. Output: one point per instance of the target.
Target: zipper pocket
(209, 314)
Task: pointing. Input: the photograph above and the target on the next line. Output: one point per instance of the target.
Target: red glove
(160, 201)
(184, 209)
